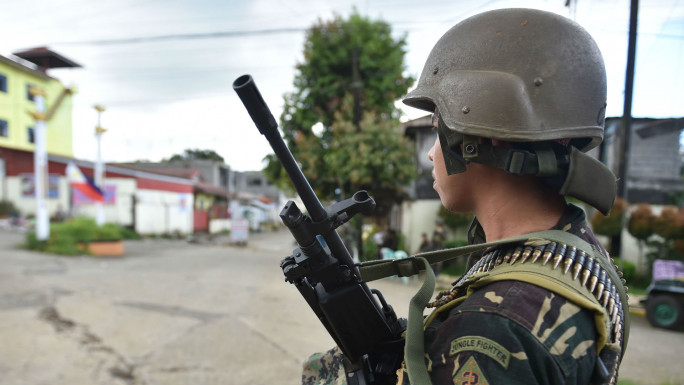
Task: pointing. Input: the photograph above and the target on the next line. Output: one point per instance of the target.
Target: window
(254, 182)
(4, 129)
(31, 135)
(3, 83)
(28, 92)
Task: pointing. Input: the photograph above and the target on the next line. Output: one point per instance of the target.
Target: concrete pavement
(173, 312)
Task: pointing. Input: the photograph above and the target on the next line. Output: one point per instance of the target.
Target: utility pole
(40, 164)
(356, 89)
(358, 115)
(99, 167)
(626, 124)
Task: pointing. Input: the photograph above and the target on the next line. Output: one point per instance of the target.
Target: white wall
(161, 212)
(219, 225)
(121, 212)
(418, 217)
(27, 205)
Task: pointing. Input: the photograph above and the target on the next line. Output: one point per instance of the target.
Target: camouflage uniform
(508, 332)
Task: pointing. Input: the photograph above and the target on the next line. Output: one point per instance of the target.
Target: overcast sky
(164, 69)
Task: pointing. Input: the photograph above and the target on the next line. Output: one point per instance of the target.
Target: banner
(28, 186)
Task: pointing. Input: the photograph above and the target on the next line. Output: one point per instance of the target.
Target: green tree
(352, 74)
(190, 154)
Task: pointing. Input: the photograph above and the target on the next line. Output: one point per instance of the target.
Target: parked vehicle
(665, 302)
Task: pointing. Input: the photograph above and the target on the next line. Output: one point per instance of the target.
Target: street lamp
(40, 164)
(99, 166)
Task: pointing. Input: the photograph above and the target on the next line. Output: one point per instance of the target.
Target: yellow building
(16, 125)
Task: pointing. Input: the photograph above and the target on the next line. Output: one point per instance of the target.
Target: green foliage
(7, 209)
(190, 154)
(454, 220)
(78, 229)
(64, 245)
(628, 270)
(65, 236)
(108, 232)
(377, 159)
(32, 242)
(359, 145)
(453, 243)
(610, 225)
(370, 250)
(127, 233)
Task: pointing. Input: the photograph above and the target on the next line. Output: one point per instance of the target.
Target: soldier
(518, 96)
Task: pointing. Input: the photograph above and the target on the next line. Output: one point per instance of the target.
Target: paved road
(171, 312)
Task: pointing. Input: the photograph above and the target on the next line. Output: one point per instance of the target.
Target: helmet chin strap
(576, 174)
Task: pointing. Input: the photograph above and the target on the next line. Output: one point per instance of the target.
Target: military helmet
(531, 78)
(519, 75)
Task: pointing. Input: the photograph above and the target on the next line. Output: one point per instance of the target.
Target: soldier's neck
(510, 210)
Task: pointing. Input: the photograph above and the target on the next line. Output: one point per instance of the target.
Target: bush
(668, 224)
(65, 236)
(108, 232)
(370, 250)
(7, 209)
(628, 270)
(32, 242)
(64, 245)
(610, 225)
(127, 233)
(641, 222)
(79, 229)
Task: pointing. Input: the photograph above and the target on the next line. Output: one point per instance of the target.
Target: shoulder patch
(470, 374)
(481, 345)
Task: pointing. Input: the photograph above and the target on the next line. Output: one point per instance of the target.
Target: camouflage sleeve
(512, 332)
(324, 369)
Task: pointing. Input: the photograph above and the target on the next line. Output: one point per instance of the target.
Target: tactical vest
(555, 260)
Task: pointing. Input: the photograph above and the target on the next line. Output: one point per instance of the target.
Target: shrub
(370, 250)
(641, 222)
(108, 232)
(628, 270)
(668, 224)
(7, 209)
(127, 233)
(79, 229)
(610, 225)
(65, 236)
(32, 242)
(64, 245)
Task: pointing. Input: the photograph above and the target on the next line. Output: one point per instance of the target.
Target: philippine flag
(83, 184)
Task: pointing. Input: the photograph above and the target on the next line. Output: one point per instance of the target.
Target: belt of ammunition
(580, 268)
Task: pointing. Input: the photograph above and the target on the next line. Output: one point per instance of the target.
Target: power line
(187, 36)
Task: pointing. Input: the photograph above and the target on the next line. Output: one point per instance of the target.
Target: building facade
(16, 125)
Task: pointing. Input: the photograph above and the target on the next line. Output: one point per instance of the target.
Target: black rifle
(367, 331)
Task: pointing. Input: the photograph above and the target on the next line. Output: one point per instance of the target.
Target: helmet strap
(576, 174)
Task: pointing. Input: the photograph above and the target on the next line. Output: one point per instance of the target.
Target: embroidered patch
(481, 345)
(470, 374)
